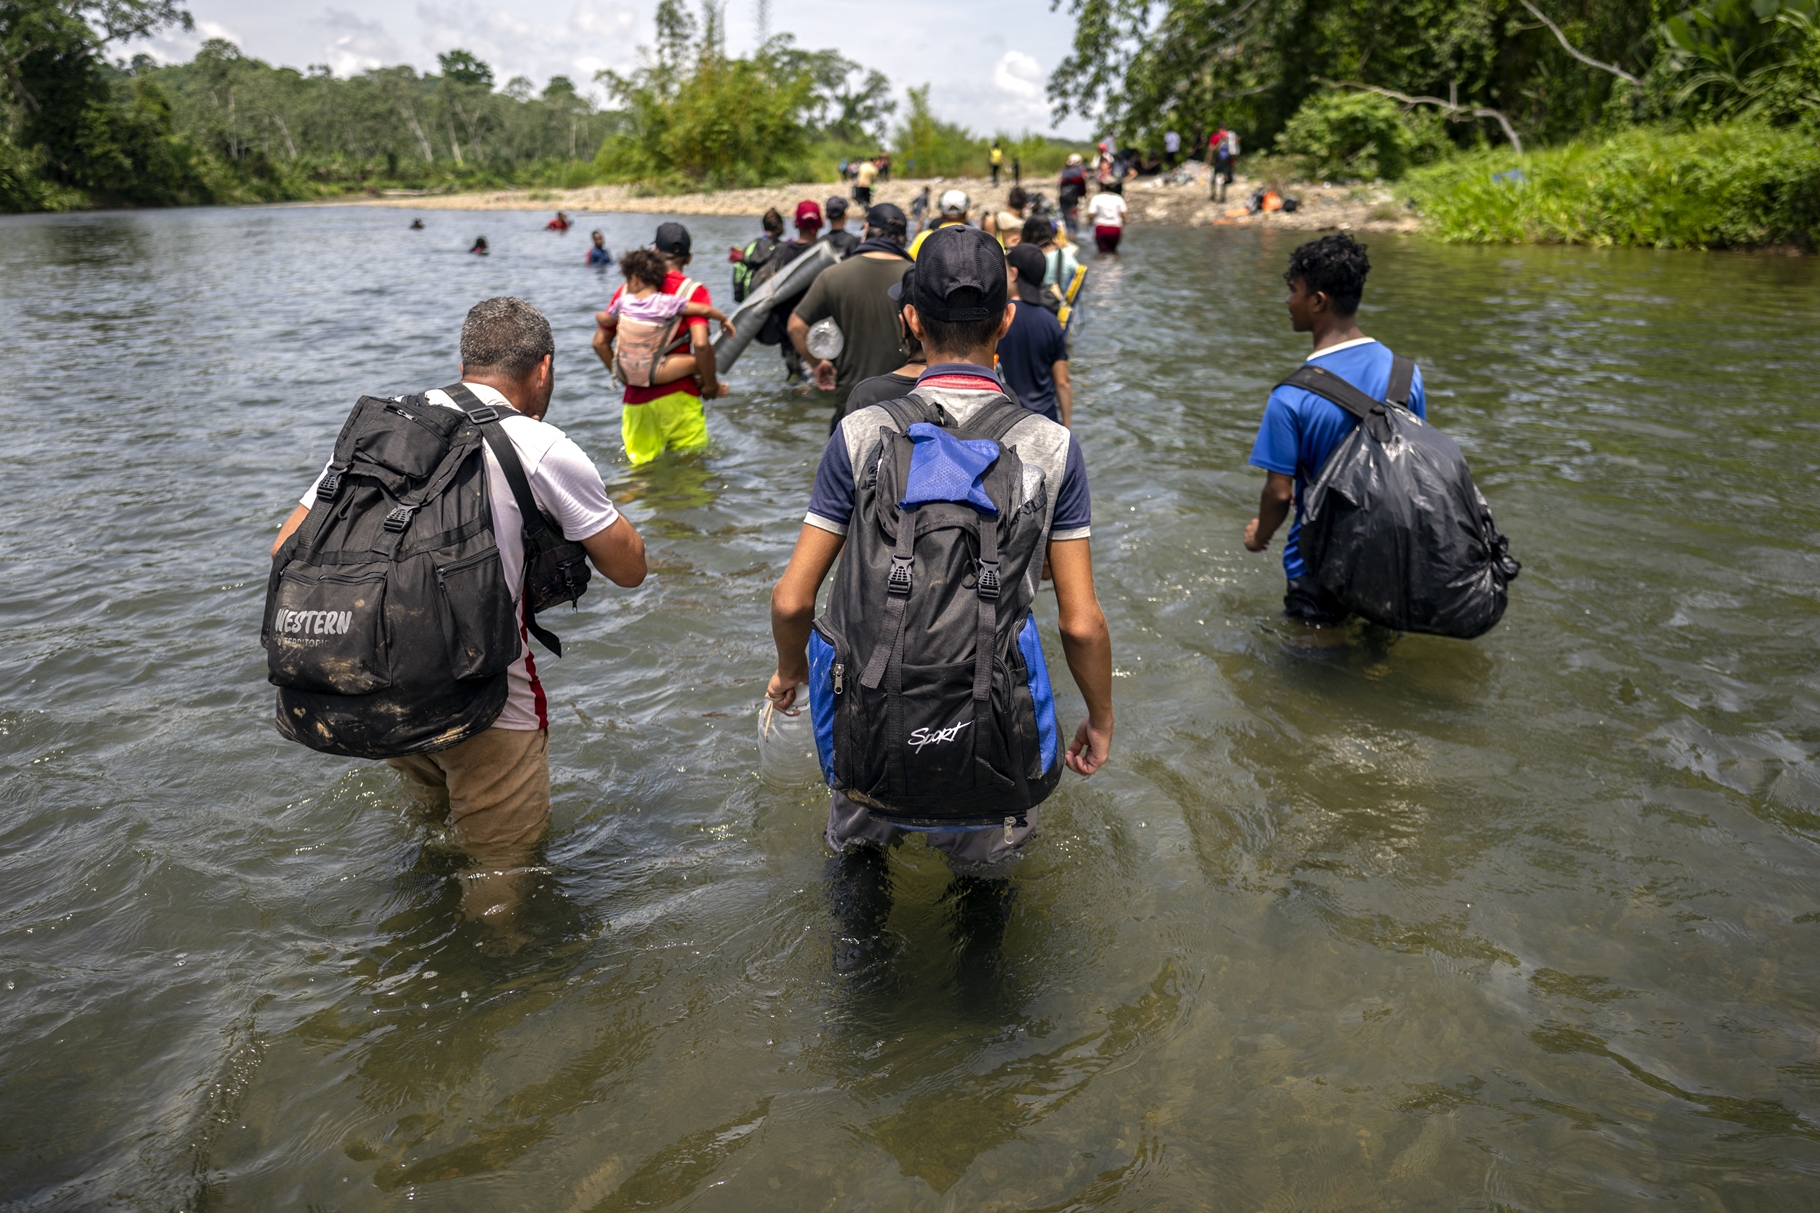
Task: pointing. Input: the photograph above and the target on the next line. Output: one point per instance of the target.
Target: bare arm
(618, 552)
(704, 360)
(793, 609)
(1088, 646)
(1273, 507)
(290, 527)
(824, 373)
(1064, 392)
(603, 341)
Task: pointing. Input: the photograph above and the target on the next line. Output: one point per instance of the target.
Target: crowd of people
(951, 488)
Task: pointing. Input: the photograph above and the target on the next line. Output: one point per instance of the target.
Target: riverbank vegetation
(1609, 121)
(79, 129)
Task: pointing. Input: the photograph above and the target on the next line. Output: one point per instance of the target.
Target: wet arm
(618, 552)
(793, 609)
(1064, 392)
(1273, 508)
(1087, 644)
(290, 527)
(704, 359)
(603, 342)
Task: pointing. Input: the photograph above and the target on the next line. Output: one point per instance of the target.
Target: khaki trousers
(499, 789)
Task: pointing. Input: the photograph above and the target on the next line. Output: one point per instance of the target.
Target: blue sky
(988, 62)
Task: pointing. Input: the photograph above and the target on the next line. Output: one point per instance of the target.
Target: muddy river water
(1531, 922)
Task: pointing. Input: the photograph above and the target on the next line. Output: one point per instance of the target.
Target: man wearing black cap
(838, 235)
(959, 310)
(669, 415)
(1033, 357)
(855, 294)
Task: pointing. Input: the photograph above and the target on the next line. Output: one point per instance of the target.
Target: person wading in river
(854, 294)
(959, 311)
(1300, 430)
(498, 780)
(668, 416)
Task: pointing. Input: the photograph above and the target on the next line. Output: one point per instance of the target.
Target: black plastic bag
(1394, 526)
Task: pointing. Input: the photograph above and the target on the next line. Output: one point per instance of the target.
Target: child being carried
(645, 321)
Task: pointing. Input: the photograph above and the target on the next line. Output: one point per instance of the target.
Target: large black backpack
(1393, 526)
(927, 685)
(389, 626)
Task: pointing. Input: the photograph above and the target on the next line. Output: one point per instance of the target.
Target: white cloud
(356, 44)
(595, 36)
(178, 45)
(1014, 99)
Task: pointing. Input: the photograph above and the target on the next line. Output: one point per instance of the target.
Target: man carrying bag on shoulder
(405, 587)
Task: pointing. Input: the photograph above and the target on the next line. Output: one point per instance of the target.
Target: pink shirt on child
(654, 309)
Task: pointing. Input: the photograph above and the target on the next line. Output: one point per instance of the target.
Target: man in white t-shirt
(1107, 210)
(498, 781)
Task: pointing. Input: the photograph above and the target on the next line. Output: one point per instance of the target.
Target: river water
(1404, 923)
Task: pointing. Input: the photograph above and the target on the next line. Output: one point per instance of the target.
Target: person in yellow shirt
(996, 158)
(954, 210)
(863, 177)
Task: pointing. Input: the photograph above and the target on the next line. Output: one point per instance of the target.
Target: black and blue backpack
(928, 690)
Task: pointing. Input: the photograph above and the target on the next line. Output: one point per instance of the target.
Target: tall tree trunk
(410, 116)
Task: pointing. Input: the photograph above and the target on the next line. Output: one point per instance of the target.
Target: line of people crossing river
(951, 490)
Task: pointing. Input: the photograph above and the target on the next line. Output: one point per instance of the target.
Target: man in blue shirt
(1300, 430)
(1033, 356)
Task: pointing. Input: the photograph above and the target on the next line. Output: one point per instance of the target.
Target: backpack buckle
(988, 579)
(331, 484)
(483, 414)
(399, 518)
(899, 582)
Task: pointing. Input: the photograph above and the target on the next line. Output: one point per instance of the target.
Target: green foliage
(1150, 65)
(1342, 134)
(925, 146)
(697, 117)
(715, 121)
(461, 67)
(1748, 56)
(1718, 185)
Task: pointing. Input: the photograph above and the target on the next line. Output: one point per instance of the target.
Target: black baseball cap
(672, 238)
(956, 258)
(887, 217)
(1031, 266)
(835, 207)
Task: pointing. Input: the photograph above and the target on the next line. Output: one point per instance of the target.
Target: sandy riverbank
(1153, 201)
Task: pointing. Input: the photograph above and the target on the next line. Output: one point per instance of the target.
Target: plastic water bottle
(825, 339)
(786, 744)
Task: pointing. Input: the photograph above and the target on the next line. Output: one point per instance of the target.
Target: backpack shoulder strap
(486, 416)
(1329, 386)
(906, 411)
(995, 418)
(1402, 381)
(538, 533)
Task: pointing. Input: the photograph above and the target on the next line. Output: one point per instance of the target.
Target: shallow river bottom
(1402, 923)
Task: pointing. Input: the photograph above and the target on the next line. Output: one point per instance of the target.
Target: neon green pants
(673, 421)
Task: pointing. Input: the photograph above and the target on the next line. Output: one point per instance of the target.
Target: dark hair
(960, 335)
(1335, 264)
(1037, 230)
(506, 336)
(1017, 199)
(774, 222)
(644, 265)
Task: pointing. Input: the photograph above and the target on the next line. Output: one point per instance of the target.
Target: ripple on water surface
(1399, 923)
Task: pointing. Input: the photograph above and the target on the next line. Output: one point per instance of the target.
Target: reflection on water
(1387, 922)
